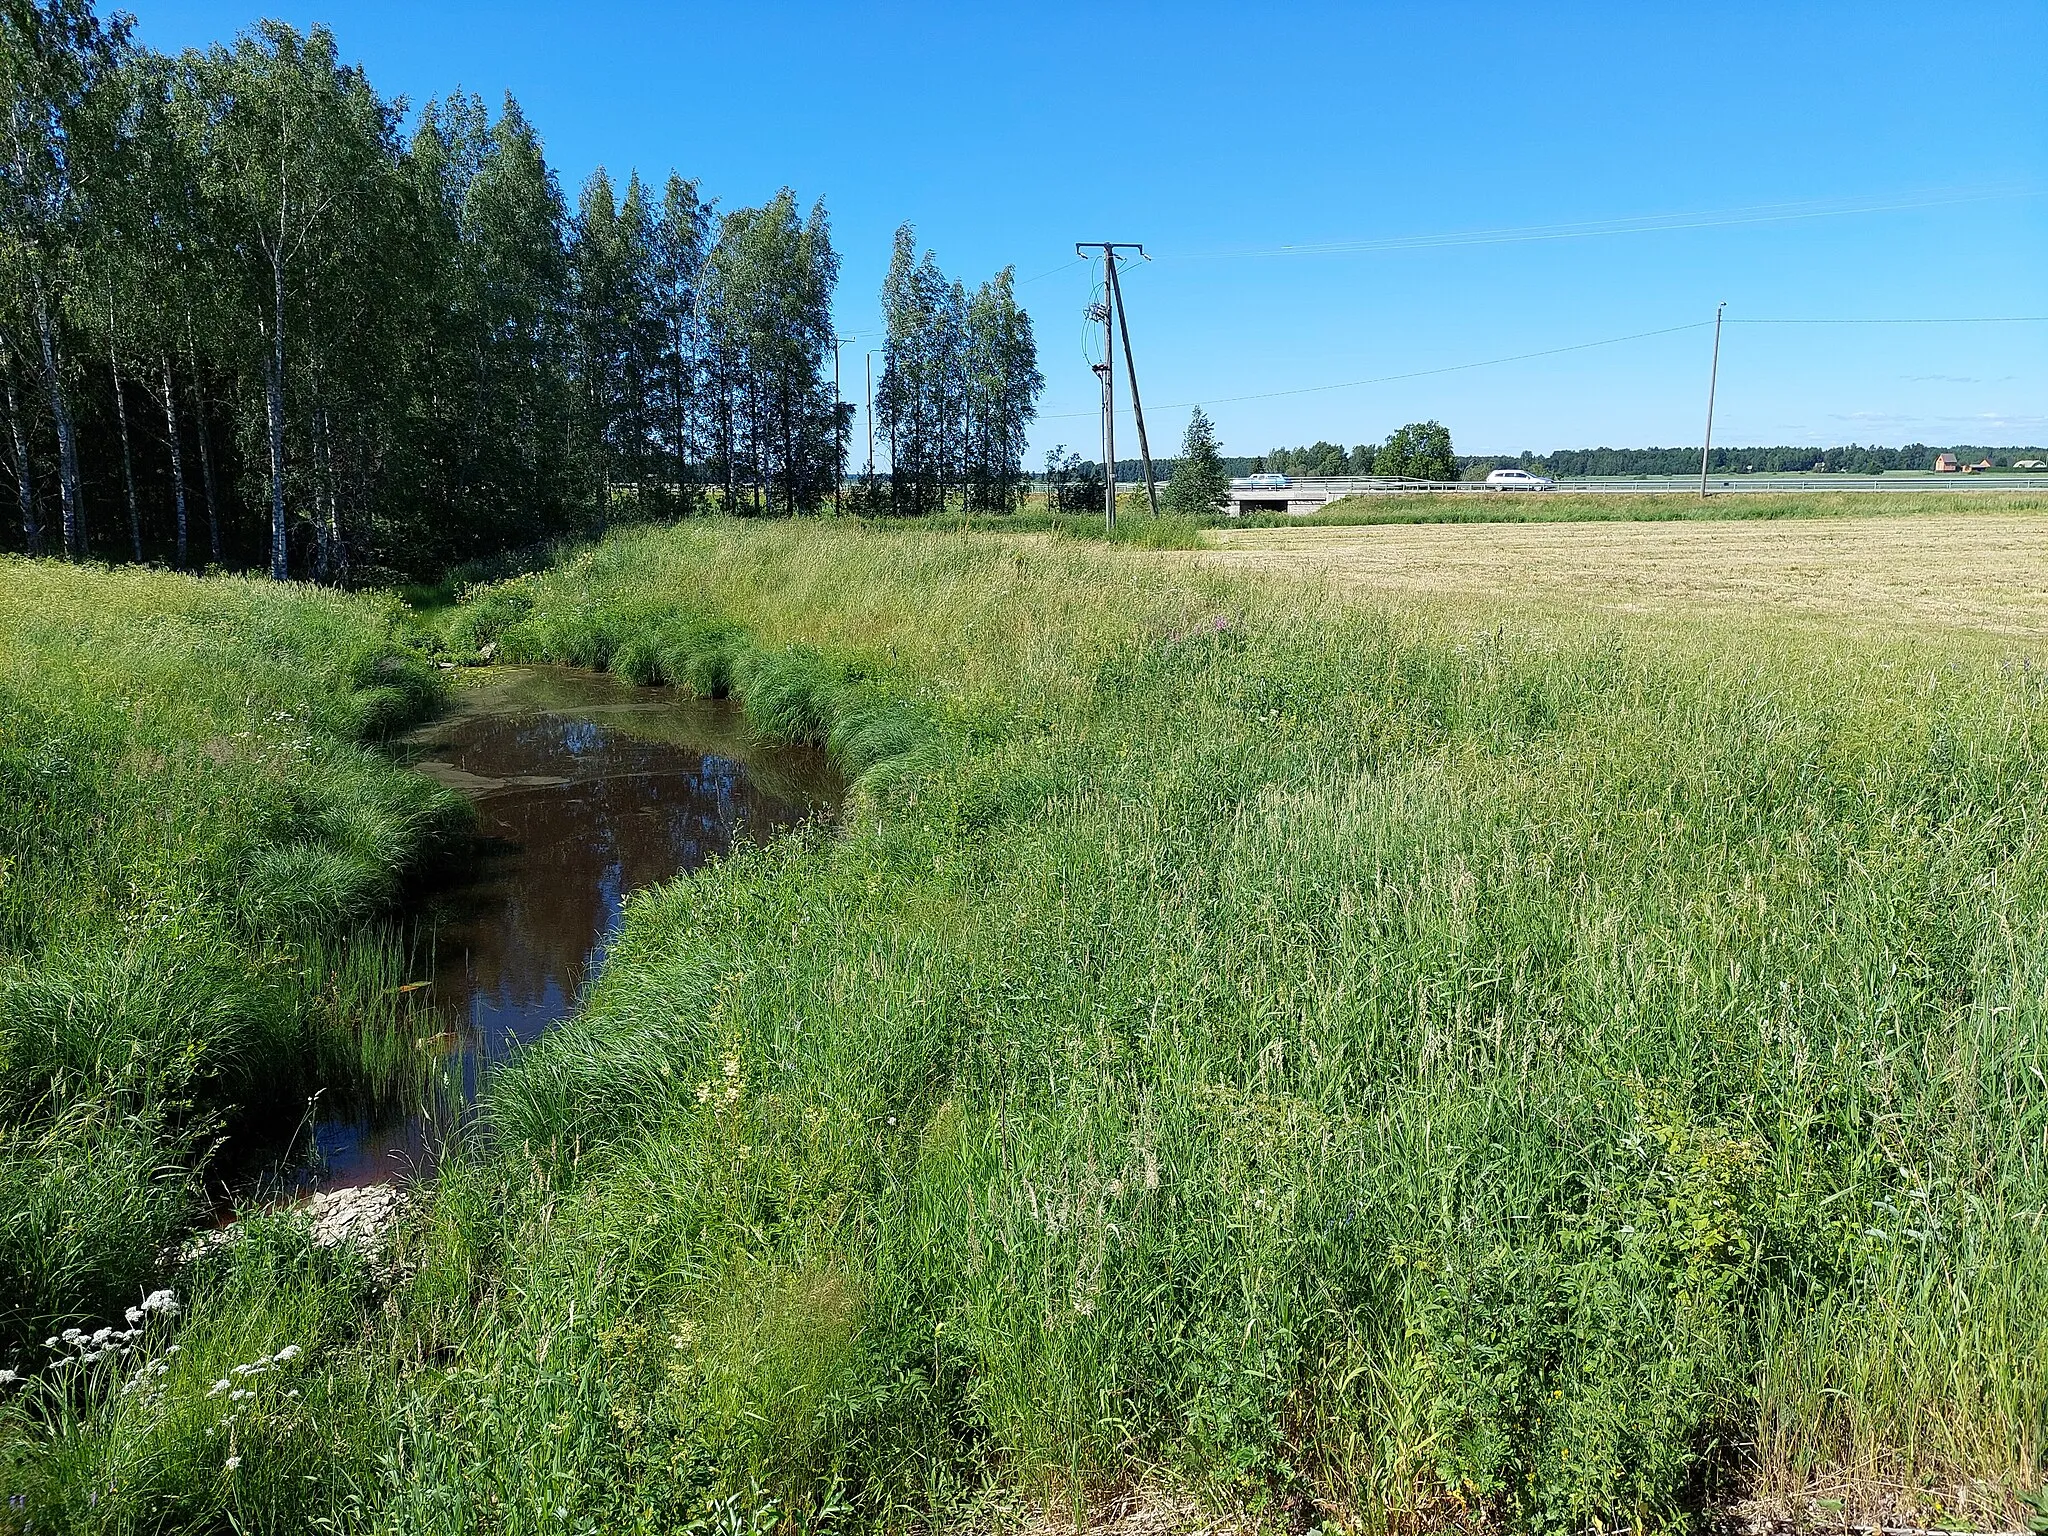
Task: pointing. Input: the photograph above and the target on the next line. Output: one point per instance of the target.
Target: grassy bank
(1341, 1065)
(189, 829)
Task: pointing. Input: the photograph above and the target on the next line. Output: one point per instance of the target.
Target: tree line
(1854, 459)
(247, 319)
(960, 385)
(1419, 448)
(1419, 451)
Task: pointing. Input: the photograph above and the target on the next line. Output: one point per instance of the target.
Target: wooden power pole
(1110, 313)
(1123, 325)
(1713, 382)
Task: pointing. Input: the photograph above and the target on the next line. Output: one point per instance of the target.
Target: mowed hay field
(1985, 571)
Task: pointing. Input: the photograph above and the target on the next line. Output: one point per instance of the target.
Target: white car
(1518, 480)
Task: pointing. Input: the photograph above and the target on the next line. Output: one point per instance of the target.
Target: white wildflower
(8, 1378)
(289, 1352)
(219, 1387)
(232, 1462)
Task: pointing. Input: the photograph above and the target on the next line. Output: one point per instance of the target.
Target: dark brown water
(586, 791)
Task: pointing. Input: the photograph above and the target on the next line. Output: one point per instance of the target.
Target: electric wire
(1762, 213)
(1419, 373)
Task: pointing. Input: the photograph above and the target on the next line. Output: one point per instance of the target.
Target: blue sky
(1911, 146)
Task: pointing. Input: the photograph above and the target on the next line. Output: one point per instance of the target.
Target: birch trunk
(67, 436)
(273, 400)
(177, 462)
(732, 484)
(320, 472)
(24, 485)
(337, 547)
(358, 496)
(200, 417)
(127, 456)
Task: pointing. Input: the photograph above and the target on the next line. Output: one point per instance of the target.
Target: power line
(1611, 341)
(1898, 320)
(1078, 261)
(1419, 373)
(1762, 213)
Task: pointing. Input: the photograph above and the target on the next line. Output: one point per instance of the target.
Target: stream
(586, 790)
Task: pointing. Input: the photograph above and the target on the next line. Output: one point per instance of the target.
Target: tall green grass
(1557, 1078)
(1360, 1068)
(190, 827)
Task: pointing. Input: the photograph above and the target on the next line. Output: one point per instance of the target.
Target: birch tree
(1003, 384)
(290, 135)
(56, 60)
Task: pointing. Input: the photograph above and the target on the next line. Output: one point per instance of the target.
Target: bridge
(1305, 495)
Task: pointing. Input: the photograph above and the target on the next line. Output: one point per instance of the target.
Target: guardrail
(1307, 489)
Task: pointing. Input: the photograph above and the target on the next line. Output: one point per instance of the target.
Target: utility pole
(838, 425)
(1107, 368)
(871, 419)
(1713, 381)
(1123, 325)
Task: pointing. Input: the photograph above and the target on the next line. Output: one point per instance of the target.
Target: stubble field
(1954, 571)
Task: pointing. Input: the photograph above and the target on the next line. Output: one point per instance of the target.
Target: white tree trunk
(127, 456)
(273, 399)
(200, 420)
(67, 436)
(177, 462)
(24, 485)
(321, 552)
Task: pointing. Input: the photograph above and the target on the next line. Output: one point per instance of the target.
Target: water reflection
(586, 791)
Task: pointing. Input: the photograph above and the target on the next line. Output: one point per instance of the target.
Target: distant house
(1984, 464)
(1945, 464)
(2029, 464)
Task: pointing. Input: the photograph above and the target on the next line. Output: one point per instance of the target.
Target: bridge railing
(1306, 488)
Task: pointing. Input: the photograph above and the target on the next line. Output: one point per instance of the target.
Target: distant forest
(253, 314)
(1851, 460)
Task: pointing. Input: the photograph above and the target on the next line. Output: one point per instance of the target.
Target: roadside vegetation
(1333, 1063)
